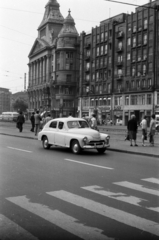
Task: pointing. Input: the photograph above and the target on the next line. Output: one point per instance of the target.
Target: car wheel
(101, 150)
(45, 143)
(75, 147)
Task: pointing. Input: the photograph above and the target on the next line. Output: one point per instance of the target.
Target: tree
(20, 105)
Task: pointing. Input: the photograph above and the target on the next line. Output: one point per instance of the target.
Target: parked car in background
(10, 116)
(73, 133)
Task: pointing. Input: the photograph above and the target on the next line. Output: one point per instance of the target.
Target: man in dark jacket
(132, 129)
(32, 119)
(20, 121)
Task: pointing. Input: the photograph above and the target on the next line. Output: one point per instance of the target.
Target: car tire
(101, 150)
(75, 147)
(45, 143)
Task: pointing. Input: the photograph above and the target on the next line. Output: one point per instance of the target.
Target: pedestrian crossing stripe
(11, 230)
(137, 187)
(60, 219)
(152, 180)
(109, 212)
(119, 196)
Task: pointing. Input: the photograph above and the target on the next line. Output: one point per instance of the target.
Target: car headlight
(107, 139)
(85, 140)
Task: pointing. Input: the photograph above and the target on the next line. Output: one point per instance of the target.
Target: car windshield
(77, 124)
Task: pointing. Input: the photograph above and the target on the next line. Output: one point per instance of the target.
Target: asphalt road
(53, 194)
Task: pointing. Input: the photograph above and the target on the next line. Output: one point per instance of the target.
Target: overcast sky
(19, 20)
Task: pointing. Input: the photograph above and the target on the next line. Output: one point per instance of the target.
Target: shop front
(118, 114)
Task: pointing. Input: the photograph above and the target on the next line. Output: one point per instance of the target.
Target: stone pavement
(117, 138)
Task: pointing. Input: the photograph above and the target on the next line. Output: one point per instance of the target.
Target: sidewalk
(117, 139)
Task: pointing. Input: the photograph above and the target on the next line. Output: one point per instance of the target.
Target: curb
(109, 149)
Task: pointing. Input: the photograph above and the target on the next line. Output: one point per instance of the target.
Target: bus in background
(9, 116)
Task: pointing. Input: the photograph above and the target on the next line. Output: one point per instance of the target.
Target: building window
(144, 53)
(97, 38)
(104, 87)
(138, 83)
(120, 72)
(69, 55)
(134, 56)
(144, 69)
(110, 46)
(88, 53)
(97, 51)
(145, 39)
(110, 33)
(101, 75)
(118, 101)
(139, 70)
(134, 41)
(100, 89)
(127, 100)
(139, 40)
(105, 61)
(150, 36)
(143, 83)
(96, 102)
(68, 78)
(143, 99)
(129, 41)
(127, 85)
(106, 49)
(134, 26)
(108, 101)
(149, 82)
(129, 27)
(97, 63)
(150, 67)
(102, 37)
(106, 35)
(139, 55)
(92, 102)
(109, 87)
(133, 99)
(145, 23)
(97, 76)
(128, 56)
(132, 84)
(120, 44)
(101, 62)
(101, 50)
(133, 71)
(109, 60)
(128, 71)
(149, 99)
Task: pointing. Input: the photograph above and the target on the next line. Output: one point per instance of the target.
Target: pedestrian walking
(94, 122)
(70, 115)
(143, 125)
(20, 121)
(47, 119)
(37, 122)
(132, 129)
(152, 130)
(32, 119)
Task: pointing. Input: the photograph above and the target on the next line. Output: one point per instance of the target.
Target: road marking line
(109, 212)
(118, 196)
(137, 187)
(22, 150)
(11, 230)
(60, 219)
(89, 164)
(152, 180)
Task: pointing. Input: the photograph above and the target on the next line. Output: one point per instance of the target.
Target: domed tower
(67, 67)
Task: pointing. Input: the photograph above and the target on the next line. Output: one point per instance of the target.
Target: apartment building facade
(5, 100)
(119, 68)
(53, 64)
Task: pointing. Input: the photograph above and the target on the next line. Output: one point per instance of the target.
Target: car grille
(92, 143)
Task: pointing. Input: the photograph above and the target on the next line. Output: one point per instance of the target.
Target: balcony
(87, 69)
(119, 77)
(120, 34)
(119, 49)
(87, 58)
(88, 45)
(119, 63)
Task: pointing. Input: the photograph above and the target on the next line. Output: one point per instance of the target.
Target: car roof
(68, 119)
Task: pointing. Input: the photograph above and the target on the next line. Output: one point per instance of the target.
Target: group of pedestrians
(133, 127)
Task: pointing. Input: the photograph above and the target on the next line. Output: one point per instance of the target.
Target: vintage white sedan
(73, 133)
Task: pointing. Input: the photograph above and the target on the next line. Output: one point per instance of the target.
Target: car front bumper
(96, 146)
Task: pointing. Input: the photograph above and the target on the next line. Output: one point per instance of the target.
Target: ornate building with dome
(54, 64)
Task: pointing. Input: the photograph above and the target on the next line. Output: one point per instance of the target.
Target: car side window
(53, 124)
(60, 126)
